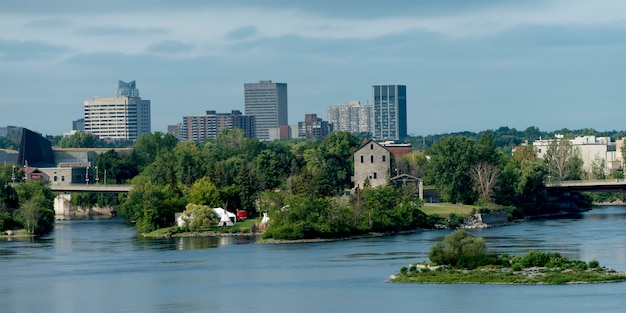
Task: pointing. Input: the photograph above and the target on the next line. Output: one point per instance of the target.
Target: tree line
(303, 183)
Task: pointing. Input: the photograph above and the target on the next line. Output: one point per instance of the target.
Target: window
(384, 159)
(361, 159)
(371, 159)
(375, 176)
(372, 146)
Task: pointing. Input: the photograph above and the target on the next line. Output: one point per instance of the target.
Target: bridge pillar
(62, 206)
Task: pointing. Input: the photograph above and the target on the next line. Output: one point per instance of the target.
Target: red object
(242, 214)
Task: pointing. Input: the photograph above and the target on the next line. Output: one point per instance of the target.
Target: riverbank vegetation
(302, 184)
(305, 186)
(27, 206)
(463, 258)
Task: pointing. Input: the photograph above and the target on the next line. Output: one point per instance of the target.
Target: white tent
(226, 218)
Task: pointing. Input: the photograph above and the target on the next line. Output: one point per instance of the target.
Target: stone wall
(485, 220)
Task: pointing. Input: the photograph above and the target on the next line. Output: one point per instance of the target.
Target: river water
(102, 266)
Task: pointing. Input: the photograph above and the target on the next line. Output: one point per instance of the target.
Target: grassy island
(462, 259)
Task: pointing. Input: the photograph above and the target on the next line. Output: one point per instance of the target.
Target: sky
(468, 65)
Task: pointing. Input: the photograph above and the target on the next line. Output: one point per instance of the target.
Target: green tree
(199, 217)
(184, 164)
(79, 140)
(505, 192)
(227, 144)
(458, 249)
(449, 167)
(597, 168)
(36, 207)
(151, 206)
(149, 146)
(274, 165)
(115, 168)
(204, 192)
(532, 133)
(414, 164)
(563, 161)
(530, 190)
(525, 153)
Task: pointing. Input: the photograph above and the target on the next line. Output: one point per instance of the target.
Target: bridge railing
(595, 182)
(90, 188)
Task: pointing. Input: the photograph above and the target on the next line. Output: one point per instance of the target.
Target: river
(102, 266)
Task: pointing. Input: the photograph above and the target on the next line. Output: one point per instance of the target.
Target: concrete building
(123, 117)
(267, 102)
(313, 127)
(390, 117)
(591, 149)
(202, 127)
(353, 117)
(175, 130)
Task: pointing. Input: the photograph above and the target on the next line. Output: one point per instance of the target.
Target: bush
(460, 249)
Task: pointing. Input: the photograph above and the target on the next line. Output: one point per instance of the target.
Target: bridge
(91, 188)
(605, 185)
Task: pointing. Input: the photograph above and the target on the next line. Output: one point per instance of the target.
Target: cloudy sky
(467, 65)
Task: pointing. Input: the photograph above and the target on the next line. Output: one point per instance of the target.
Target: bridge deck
(605, 185)
(90, 188)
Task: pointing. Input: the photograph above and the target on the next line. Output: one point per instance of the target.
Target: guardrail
(90, 188)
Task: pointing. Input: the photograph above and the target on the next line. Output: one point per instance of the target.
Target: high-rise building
(123, 117)
(267, 102)
(389, 112)
(313, 127)
(353, 117)
(202, 127)
(79, 125)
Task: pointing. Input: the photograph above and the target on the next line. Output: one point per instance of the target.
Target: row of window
(384, 159)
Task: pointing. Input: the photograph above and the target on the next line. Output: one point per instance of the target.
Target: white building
(353, 117)
(591, 149)
(123, 117)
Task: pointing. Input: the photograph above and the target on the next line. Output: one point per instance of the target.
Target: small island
(462, 259)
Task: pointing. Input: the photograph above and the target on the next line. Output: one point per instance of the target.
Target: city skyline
(470, 66)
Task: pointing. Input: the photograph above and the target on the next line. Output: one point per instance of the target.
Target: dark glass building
(389, 112)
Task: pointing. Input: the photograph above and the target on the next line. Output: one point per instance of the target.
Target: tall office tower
(123, 117)
(267, 102)
(389, 112)
(79, 125)
(313, 127)
(353, 117)
(202, 127)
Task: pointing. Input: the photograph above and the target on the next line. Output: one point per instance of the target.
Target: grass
(503, 276)
(537, 267)
(445, 209)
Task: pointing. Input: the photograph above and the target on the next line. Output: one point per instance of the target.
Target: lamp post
(87, 176)
(13, 175)
(97, 179)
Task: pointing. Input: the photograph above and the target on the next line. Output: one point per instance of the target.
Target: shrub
(459, 249)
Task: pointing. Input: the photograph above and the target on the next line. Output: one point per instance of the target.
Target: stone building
(372, 165)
